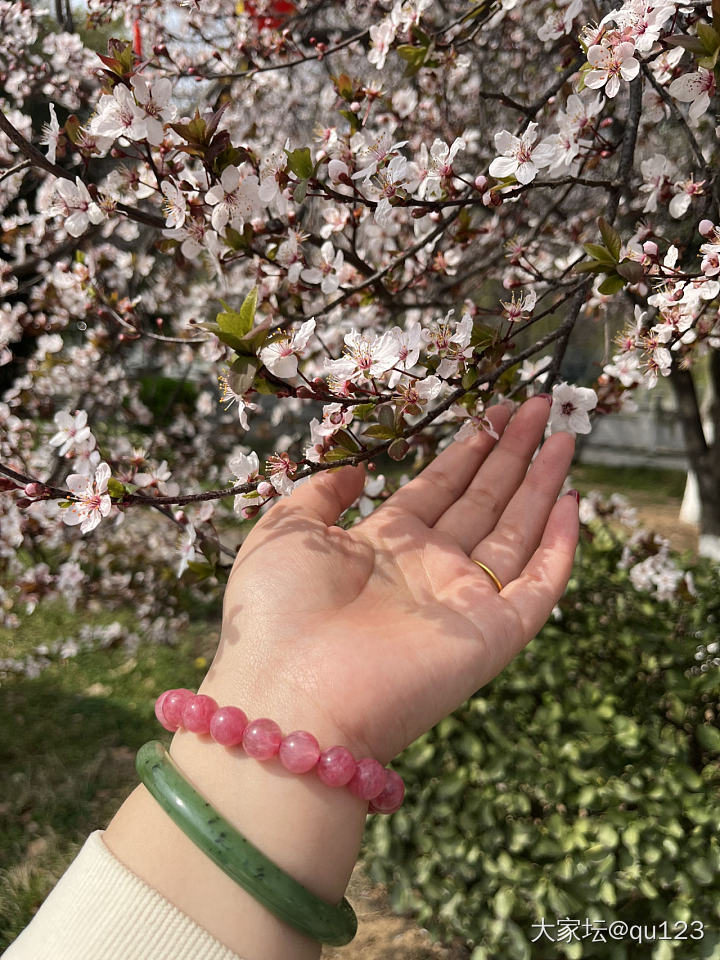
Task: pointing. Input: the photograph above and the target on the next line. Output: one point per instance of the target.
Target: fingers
(509, 546)
(537, 589)
(440, 484)
(474, 514)
(325, 495)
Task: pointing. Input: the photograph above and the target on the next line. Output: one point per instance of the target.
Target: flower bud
(491, 199)
(7, 484)
(706, 227)
(355, 106)
(34, 489)
(650, 248)
(181, 517)
(266, 489)
(247, 513)
(481, 182)
(304, 393)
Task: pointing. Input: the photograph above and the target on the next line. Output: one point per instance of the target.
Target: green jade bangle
(237, 857)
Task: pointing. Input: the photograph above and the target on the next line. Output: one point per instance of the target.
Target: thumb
(328, 493)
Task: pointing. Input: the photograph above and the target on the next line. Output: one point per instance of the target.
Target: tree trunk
(702, 447)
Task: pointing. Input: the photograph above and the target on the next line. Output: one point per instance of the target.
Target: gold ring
(489, 572)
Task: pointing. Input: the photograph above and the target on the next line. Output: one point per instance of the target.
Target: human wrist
(310, 831)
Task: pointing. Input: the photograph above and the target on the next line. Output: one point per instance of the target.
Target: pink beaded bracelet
(299, 751)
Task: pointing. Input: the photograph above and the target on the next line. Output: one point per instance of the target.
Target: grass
(68, 740)
(651, 486)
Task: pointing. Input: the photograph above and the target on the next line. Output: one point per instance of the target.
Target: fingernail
(545, 396)
(575, 494)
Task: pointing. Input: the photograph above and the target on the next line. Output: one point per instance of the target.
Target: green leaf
(300, 191)
(379, 431)
(201, 569)
(242, 373)
(590, 266)
(611, 284)
(346, 441)
(238, 323)
(708, 37)
(611, 238)
(352, 119)
(631, 270)
(708, 737)
(599, 253)
(398, 449)
(693, 44)
(115, 488)
(363, 410)
(300, 162)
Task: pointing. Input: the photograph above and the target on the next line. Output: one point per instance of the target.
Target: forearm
(311, 831)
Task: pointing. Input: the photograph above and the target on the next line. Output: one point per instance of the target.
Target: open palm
(372, 635)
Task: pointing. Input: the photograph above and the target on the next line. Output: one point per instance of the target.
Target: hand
(372, 635)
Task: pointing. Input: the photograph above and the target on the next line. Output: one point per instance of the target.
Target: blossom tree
(368, 222)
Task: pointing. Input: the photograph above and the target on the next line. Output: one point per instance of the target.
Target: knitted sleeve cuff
(100, 910)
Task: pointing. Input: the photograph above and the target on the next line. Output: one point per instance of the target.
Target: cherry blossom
(187, 550)
(118, 116)
(476, 421)
(521, 157)
(281, 469)
(570, 408)
(229, 397)
(365, 356)
(73, 432)
(610, 63)
(154, 107)
(655, 172)
(235, 199)
(51, 134)
(92, 501)
(174, 205)
(327, 274)
(694, 88)
(74, 204)
(281, 356)
(245, 468)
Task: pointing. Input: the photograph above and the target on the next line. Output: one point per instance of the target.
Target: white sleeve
(100, 910)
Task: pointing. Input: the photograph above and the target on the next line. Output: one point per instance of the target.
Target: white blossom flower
(521, 157)
(236, 199)
(74, 204)
(570, 408)
(610, 64)
(154, 106)
(364, 356)
(92, 501)
(281, 356)
(229, 397)
(118, 116)
(695, 88)
(187, 549)
(381, 37)
(655, 174)
(475, 422)
(174, 205)
(72, 431)
(51, 134)
(331, 262)
(245, 468)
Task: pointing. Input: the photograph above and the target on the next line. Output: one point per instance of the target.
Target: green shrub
(584, 782)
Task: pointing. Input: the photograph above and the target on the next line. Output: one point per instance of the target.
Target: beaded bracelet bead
(299, 751)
